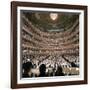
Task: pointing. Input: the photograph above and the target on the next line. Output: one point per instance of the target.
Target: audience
(42, 70)
(33, 40)
(26, 67)
(59, 72)
(47, 65)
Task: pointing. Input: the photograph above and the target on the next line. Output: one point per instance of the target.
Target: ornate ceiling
(50, 21)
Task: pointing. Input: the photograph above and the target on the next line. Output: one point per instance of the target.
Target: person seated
(27, 67)
(42, 70)
(59, 71)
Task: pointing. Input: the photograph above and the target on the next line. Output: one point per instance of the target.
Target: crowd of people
(61, 38)
(58, 62)
(33, 41)
(45, 66)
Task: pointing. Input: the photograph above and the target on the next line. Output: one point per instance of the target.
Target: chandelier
(53, 16)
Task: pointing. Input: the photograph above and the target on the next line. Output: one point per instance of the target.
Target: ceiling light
(53, 16)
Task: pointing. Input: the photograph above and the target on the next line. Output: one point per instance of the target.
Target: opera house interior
(50, 44)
